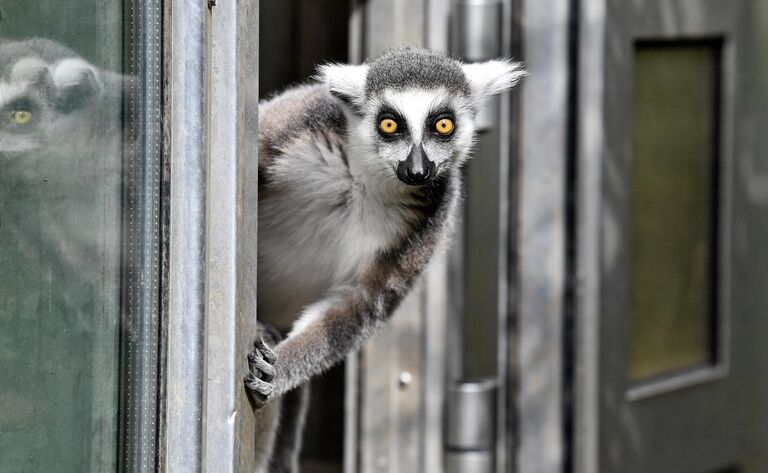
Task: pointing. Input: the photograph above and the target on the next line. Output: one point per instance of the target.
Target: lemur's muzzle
(417, 169)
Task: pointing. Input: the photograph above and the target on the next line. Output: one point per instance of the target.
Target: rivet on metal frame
(405, 379)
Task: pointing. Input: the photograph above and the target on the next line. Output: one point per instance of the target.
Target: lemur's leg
(268, 417)
(285, 456)
(267, 425)
(331, 328)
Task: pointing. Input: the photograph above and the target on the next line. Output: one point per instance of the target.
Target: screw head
(405, 379)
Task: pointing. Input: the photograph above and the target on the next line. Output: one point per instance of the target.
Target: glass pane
(673, 209)
(479, 325)
(65, 206)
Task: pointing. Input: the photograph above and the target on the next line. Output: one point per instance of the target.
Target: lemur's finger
(258, 365)
(267, 352)
(258, 386)
(255, 354)
(259, 400)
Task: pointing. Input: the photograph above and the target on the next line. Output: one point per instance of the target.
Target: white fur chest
(319, 227)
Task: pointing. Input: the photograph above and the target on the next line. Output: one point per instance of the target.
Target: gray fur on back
(298, 111)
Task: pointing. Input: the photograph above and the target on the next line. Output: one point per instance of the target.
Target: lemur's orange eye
(388, 126)
(444, 126)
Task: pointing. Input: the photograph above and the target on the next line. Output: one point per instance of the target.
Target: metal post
(185, 124)
(541, 233)
(211, 118)
(229, 426)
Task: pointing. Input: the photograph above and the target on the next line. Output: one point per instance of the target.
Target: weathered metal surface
(181, 445)
(231, 236)
(624, 427)
(247, 221)
(541, 231)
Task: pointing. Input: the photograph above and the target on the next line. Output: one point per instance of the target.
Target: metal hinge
(470, 427)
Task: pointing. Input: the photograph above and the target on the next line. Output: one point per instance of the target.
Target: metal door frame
(538, 349)
(210, 119)
(607, 33)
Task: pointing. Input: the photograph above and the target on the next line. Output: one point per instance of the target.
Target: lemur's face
(419, 132)
(42, 103)
(414, 111)
(24, 100)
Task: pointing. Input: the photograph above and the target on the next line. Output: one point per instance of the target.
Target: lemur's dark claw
(261, 391)
(262, 372)
(260, 367)
(262, 347)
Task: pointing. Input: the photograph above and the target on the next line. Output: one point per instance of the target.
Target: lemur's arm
(343, 321)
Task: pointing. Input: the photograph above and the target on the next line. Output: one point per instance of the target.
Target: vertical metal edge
(356, 31)
(142, 245)
(508, 149)
(247, 27)
(219, 411)
(435, 307)
(351, 412)
(726, 163)
(589, 155)
(541, 237)
(229, 422)
(165, 228)
(438, 24)
(185, 111)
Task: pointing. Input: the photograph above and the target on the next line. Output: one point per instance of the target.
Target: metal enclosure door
(677, 381)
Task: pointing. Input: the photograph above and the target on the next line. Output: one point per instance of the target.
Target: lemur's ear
(492, 77)
(76, 83)
(347, 82)
(30, 69)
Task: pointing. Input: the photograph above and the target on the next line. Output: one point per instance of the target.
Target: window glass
(65, 207)
(480, 272)
(673, 209)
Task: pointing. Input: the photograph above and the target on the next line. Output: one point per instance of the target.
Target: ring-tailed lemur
(61, 151)
(358, 182)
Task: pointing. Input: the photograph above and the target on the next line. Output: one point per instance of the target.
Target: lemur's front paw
(262, 371)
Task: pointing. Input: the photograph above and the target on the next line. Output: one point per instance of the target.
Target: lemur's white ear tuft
(492, 77)
(345, 81)
(29, 68)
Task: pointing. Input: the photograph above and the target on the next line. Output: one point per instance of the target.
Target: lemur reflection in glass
(61, 147)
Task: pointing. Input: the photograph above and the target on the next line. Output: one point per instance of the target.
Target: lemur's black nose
(417, 169)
